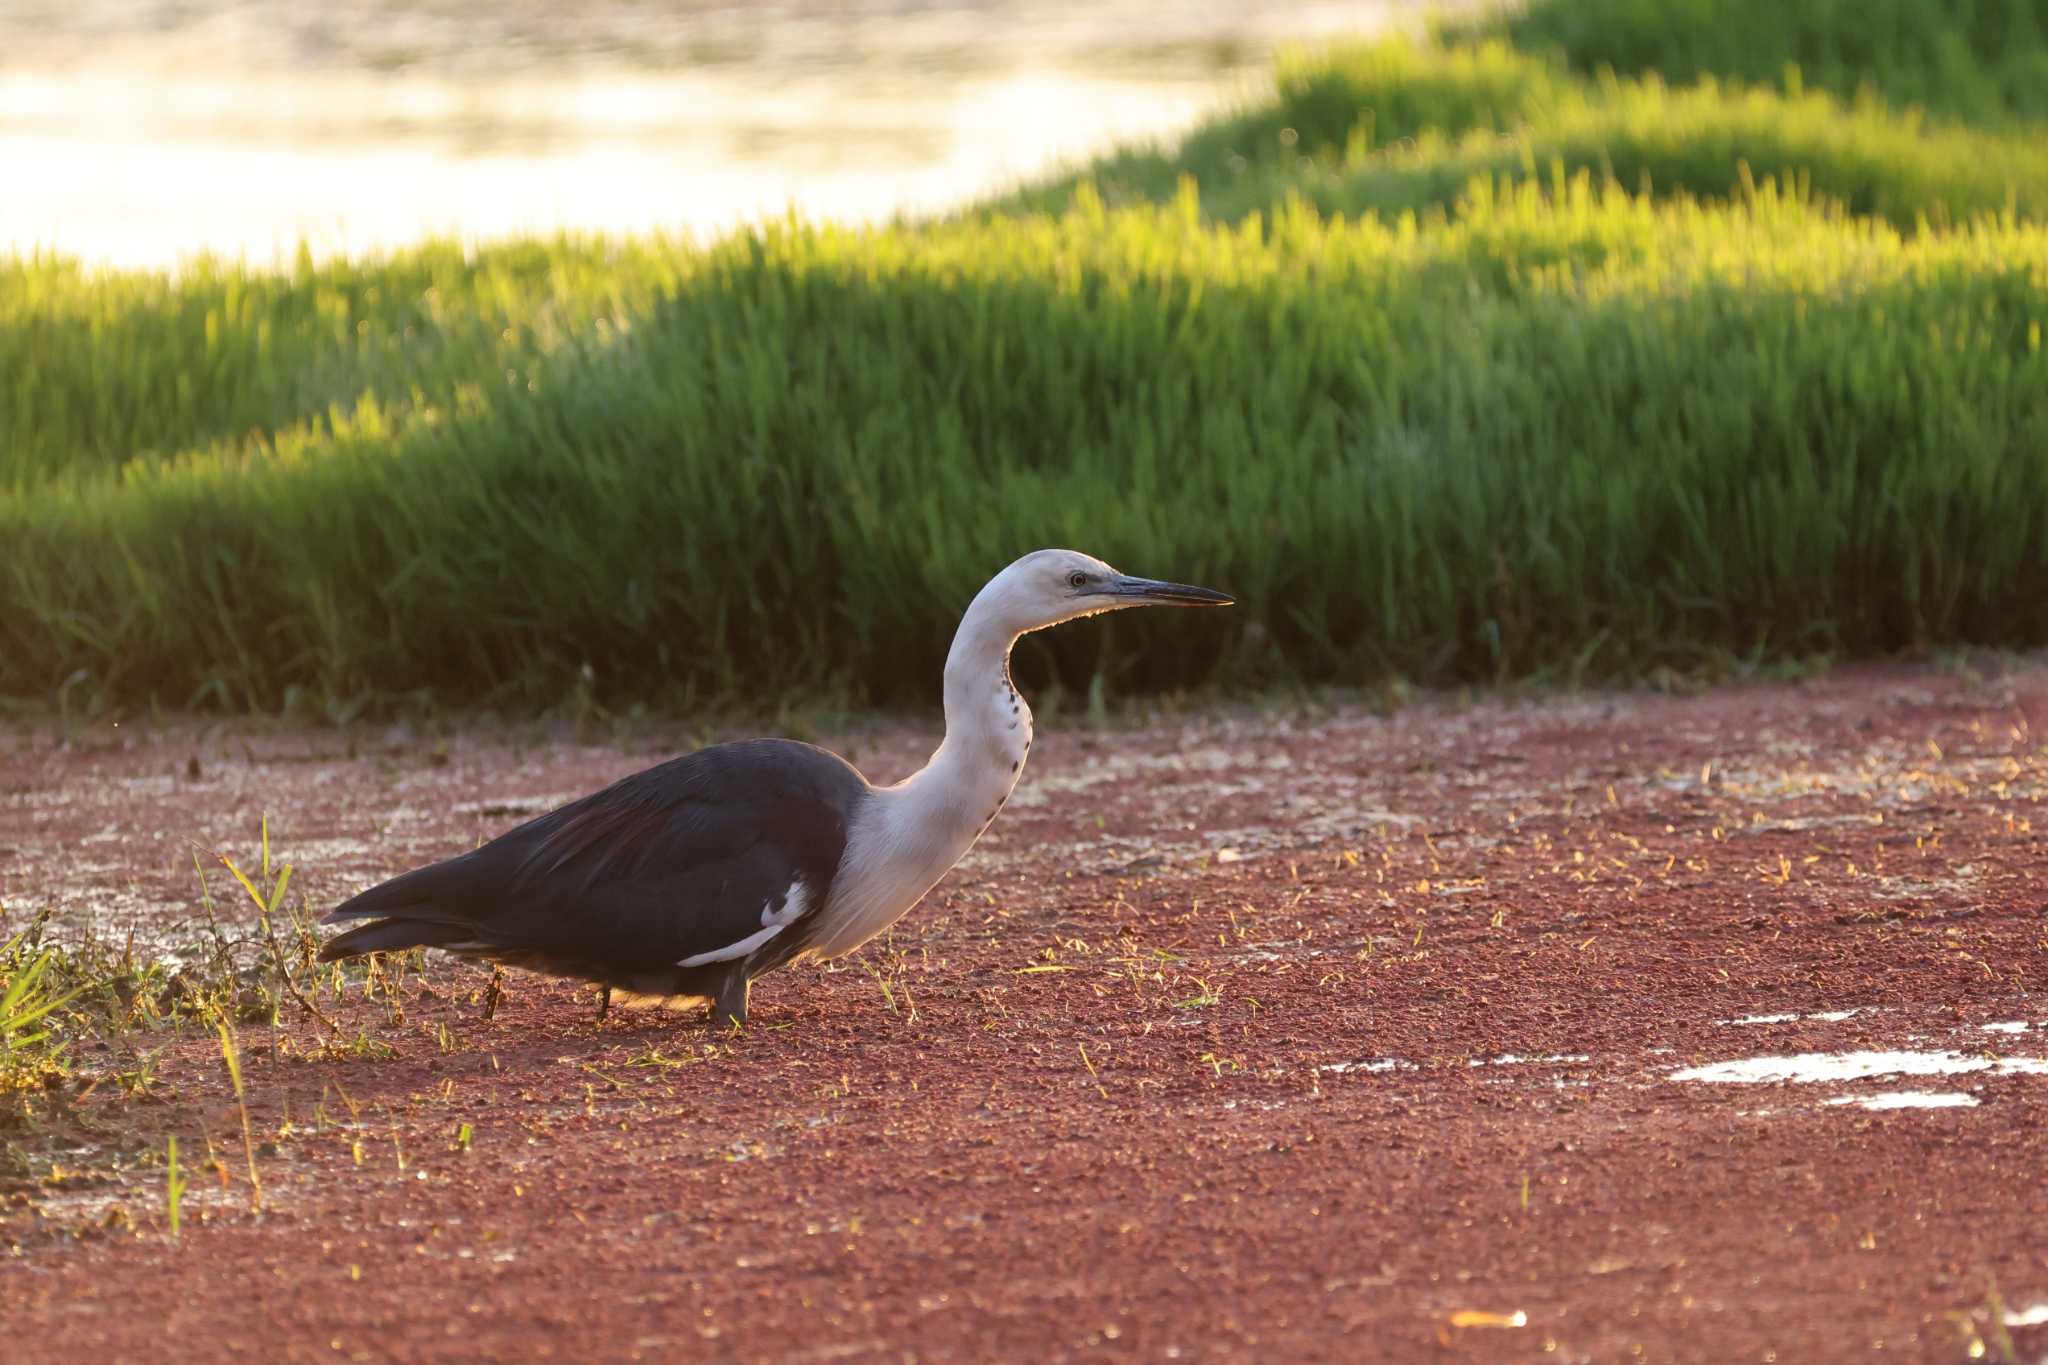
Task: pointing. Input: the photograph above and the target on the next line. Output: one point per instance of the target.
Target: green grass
(97, 369)
(1454, 362)
(28, 1054)
(1387, 127)
(1984, 61)
(1576, 434)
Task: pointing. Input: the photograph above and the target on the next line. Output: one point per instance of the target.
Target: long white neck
(908, 835)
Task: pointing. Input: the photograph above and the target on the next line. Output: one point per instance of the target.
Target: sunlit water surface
(141, 132)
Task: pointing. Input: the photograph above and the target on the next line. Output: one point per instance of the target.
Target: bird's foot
(730, 1009)
(604, 1005)
(494, 993)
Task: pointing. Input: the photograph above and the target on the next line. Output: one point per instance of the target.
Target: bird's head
(1047, 587)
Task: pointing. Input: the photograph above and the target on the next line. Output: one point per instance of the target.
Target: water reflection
(146, 130)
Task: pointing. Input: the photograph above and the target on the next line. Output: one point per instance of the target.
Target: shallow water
(145, 131)
(1813, 1067)
(1910, 1099)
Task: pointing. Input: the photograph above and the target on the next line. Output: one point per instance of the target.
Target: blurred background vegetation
(1597, 340)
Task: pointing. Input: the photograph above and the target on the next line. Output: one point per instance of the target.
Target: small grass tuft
(174, 1186)
(231, 1057)
(28, 1055)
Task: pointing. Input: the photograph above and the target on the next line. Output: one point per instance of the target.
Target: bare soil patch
(1284, 1034)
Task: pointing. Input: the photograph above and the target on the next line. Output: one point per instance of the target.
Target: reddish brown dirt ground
(1272, 1034)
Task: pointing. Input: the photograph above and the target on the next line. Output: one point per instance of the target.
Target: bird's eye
(1077, 579)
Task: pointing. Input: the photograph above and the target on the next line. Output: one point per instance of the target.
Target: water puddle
(1824, 1017)
(1379, 1064)
(1802, 1068)
(1811, 1067)
(1910, 1099)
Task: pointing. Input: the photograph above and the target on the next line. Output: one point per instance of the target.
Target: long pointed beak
(1152, 592)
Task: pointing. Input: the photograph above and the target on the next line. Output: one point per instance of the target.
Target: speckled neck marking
(909, 835)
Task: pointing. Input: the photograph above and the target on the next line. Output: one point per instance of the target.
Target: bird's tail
(405, 912)
(394, 935)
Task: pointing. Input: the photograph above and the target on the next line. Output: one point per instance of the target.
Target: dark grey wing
(688, 860)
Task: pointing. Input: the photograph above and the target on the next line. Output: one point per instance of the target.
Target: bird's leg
(731, 1006)
(604, 1004)
(494, 994)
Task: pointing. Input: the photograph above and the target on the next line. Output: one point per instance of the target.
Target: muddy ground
(1588, 1028)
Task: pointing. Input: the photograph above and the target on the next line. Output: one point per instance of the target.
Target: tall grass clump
(1572, 432)
(1982, 61)
(1390, 126)
(101, 367)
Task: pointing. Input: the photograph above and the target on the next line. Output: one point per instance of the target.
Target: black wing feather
(666, 864)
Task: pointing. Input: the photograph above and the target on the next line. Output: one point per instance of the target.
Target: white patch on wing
(773, 921)
(794, 902)
(732, 950)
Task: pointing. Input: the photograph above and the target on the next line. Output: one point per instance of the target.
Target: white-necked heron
(697, 875)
